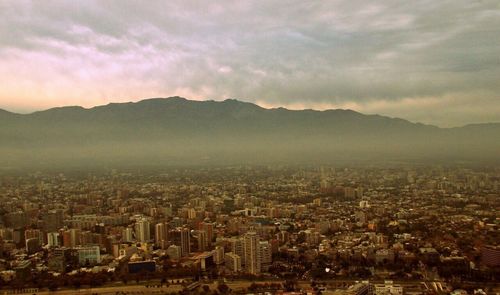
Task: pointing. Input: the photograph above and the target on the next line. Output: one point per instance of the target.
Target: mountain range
(177, 131)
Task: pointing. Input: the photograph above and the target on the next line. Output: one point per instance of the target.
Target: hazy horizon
(402, 68)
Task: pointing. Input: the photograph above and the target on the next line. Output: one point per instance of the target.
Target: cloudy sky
(433, 61)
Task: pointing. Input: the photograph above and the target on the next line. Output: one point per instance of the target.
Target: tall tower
(53, 239)
(161, 234)
(252, 252)
(266, 255)
(142, 231)
(202, 240)
(209, 228)
(53, 220)
(75, 235)
(238, 248)
(127, 235)
(185, 241)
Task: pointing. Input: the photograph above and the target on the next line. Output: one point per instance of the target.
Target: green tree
(223, 288)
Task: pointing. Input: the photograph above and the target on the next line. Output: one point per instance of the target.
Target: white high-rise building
(191, 213)
(53, 239)
(266, 255)
(128, 235)
(219, 255)
(232, 262)
(252, 253)
(161, 234)
(237, 247)
(142, 231)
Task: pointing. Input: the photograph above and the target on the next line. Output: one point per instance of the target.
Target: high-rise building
(174, 252)
(142, 231)
(86, 238)
(219, 255)
(6, 233)
(66, 239)
(266, 254)
(32, 245)
(34, 234)
(185, 241)
(232, 262)
(202, 240)
(209, 228)
(59, 258)
(53, 220)
(89, 255)
(228, 205)
(53, 239)
(71, 238)
(237, 247)
(161, 234)
(252, 252)
(283, 236)
(128, 235)
(191, 212)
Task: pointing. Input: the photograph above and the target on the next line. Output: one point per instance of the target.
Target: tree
(223, 288)
(290, 285)
(76, 283)
(252, 287)
(125, 278)
(53, 285)
(205, 288)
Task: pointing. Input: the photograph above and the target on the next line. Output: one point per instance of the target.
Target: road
(236, 285)
(125, 289)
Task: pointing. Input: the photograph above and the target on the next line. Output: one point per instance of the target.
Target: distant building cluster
(378, 225)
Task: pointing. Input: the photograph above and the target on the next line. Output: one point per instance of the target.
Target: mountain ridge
(178, 99)
(177, 129)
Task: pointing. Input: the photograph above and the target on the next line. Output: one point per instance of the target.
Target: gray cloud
(391, 57)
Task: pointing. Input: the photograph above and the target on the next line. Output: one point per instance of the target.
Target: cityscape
(243, 229)
(298, 147)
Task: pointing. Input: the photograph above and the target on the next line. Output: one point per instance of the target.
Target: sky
(436, 62)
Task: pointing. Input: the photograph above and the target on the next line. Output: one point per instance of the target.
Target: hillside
(179, 131)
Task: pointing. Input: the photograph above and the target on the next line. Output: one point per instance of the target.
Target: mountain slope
(177, 130)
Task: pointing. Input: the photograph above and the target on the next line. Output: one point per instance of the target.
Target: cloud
(389, 57)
